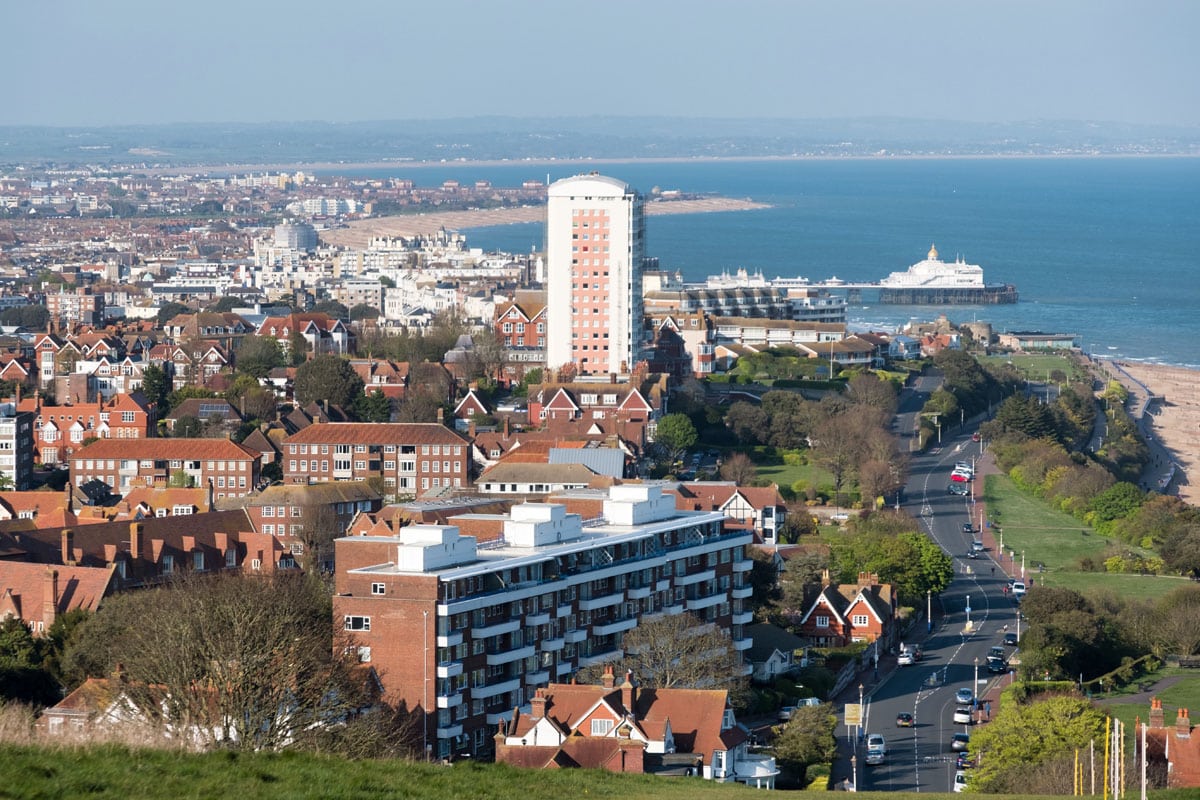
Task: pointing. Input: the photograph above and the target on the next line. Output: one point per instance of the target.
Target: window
(128, 416)
(601, 727)
(357, 623)
(268, 511)
(859, 620)
(168, 564)
(198, 561)
(822, 622)
(378, 588)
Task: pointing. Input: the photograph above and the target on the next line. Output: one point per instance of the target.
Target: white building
(595, 233)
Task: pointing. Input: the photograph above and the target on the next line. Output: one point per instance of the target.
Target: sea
(1105, 248)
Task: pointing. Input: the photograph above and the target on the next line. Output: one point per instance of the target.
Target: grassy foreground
(119, 773)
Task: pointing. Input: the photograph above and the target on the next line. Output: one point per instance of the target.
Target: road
(919, 758)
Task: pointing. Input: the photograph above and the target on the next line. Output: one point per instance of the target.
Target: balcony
(534, 678)
(449, 700)
(509, 656)
(698, 577)
(564, 611)
(598, 658)
(697, 603)
(540, 618)
(449, 731)
(755, 770)
(576, 636)
(616, 626)
(745, 618)
(496, 629)
(602, 601)
(663, 585)
(741, 592)
(449, 669)
(674, 608)
(498, 718)
(491, 690)
(553, 645)
(451, 639)
(639, 592)
(743, 644)
(745, 565)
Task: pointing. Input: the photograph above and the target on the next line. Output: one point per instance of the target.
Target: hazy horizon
(132, 62)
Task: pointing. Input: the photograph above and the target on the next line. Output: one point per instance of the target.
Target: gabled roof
(166, 450)
(549, 474)
(23, 587)
(376, 433)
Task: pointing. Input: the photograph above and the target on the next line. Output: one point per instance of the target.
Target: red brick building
(411, 458)
(60, 430)
(861, 612)
(124, 465)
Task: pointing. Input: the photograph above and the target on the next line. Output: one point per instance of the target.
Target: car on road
(958, 488)
(1010, 639)
(905, 659)
(959, 742)
(962, 761)
(905, 720)
(876, 749)
(1018, 589)
(960, 781)
(964, 696)
(997, 666)
(786, 713)
(972, 554)
(963, 716)
(964, 466)
(960, 477)
(968, 527)
(996, 652)
(975, 437)
(977, 546)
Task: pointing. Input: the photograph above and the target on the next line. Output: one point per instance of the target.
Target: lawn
(771, 466)
(1058, 540)
(1184, 694)
(1038, 366)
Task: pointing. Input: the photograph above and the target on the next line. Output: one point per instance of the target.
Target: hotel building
(595, 234)
(468, 620)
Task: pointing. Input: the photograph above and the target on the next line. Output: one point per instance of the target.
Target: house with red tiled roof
(411, 458)
(37, 594)
(841, 614)
(1177, 747)
(59, 430)
(629, 729)
(323, 333)
(382, 375)
(757, 508)
(596, 411)
(471, 405)
(126, 464)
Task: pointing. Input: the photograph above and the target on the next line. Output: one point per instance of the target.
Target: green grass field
(1184, 694)
(771, 467)
(148, 775)
(1038, 366)
(1058, 540)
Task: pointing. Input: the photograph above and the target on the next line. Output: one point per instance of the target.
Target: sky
(111, 62)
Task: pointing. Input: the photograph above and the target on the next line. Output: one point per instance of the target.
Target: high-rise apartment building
(595, 234)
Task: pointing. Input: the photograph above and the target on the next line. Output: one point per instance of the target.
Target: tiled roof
(312, 494)
(551, 474)
(166, 449)
(78, 587)
(376, 433)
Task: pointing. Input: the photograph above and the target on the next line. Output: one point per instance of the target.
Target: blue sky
(103, 62)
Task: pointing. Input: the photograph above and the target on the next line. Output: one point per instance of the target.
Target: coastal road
(919, 758)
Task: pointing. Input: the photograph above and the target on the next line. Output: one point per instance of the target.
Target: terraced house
(131, 463)
(467, 620)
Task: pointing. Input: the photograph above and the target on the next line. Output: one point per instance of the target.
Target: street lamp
(1022, 565)
(968, 611)
(854, 772)
(425, 690)
(860, 718)
(973, 688)
(929, 610)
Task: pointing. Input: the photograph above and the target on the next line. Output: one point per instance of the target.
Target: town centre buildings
(468, 620)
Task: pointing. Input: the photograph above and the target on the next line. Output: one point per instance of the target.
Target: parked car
(960, 781)
(964, 466)
(1018, 589)
(968, 527)
(962, 761)
(964, 696)
(975, 437)
(876, 749)
(1010, 639)
(905, 720)
(786, 713)
(958, 488)
(959, 742)
(905, 659)
(960, 477)
(963, 716)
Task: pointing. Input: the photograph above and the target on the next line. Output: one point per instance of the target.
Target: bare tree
(739, 468)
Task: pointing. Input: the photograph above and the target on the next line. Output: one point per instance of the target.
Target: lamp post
(425, 690)
(973, 688)
(929, 610)
(1018, 627)
(968, 611)
(1022, 565)
(854, 773)
(860, 718)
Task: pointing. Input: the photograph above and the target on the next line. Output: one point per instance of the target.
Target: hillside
(148, 774)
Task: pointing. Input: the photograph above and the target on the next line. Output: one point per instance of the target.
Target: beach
(359, 232)
(1174, 422)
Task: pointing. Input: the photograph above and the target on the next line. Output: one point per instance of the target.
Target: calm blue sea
(1106, 248)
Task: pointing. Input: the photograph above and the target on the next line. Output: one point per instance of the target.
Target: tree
(244, 661)
(298, 348)
(188, 427)
(256, 356)
(170, 310)
(681, 652)
(22, 677)
(748, 422)
(739, 468)
(331, 308)
(156, 385)
(1022, 739)
(327, 377)
(373, 407)
(363, 311)
(31, 317)
(807, 739)
(224, 304)
(675, 434)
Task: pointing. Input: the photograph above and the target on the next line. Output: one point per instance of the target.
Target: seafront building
(595, 233)
(465, 621)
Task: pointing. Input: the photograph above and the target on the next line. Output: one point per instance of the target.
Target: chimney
(537, 705)
(1183, 725)
(68, 546)
(471, 427)
(210, 494)
(607, 680)
(50, 598)
(628, 692)
(1156, 713)
(825, 579)
(135, 540)
(506, 427)
(441, 415)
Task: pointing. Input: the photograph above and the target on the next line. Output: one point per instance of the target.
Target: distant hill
(511, 138)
